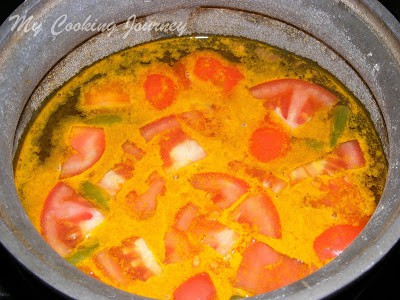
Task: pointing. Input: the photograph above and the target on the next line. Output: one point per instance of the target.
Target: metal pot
(358, 41)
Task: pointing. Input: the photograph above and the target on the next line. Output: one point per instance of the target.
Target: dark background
(383, 280)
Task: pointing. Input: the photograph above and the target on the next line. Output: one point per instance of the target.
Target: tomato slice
(263, 269)
(132, 260)
(346, 156)
(199, 287)
(179, 150)
(225, 188)
(160, 90)
(132, 149)
(114, 179)
(218, 73)
(159, 126)
(145, 205)
(214, 234)
(294, 100)
(268, 143)
(67, 219)
(89, 144)
(335, 240)
(259, 211)
(109, 94)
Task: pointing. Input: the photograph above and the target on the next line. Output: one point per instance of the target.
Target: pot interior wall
(367, 70)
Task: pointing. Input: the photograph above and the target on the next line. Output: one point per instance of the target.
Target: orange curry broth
(112, 94)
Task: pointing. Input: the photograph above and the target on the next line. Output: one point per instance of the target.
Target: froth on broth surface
(210, 168)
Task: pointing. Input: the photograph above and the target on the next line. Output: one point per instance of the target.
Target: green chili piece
(314, 144)
(340, 116)
(95, 193)
(105, 119)
(82, 254)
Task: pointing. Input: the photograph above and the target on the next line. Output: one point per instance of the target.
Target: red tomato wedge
(294, 100)
(179, 150)
(145, 205)
(351, 154)
(88, 144)
(160, 90)
(259, 211)
(132, 260)
(218, 73)
(67, 219)
(159, 126)
(268, 143)
(198, 287)
(214, 234)
(114, 179)
(346, 156)
(335, 240)
(109, 94)
(132, 149)
(225, 189)
(263, 269)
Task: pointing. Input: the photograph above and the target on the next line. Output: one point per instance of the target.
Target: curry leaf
(340, 116)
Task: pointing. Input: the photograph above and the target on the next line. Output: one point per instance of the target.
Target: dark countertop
(383, 279)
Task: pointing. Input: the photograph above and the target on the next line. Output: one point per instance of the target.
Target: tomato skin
(263, 269)
(335, 240)
(186, 216)
(268, 143)
(109, 94)
(294, 100)
(144, 206)
(160, 90)
(259, 210)
(222, 75)
(198, 287)
(66, 219)
(226, 189)
(267, 179)
(177, 244)
(89, 144)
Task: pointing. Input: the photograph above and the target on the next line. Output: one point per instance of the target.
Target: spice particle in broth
(187, 168)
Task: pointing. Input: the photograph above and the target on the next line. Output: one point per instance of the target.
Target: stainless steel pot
(358, 41)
